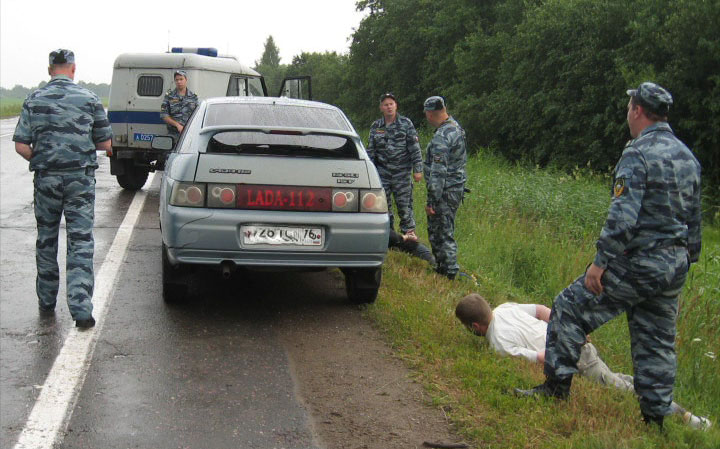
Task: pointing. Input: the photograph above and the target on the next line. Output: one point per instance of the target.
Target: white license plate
(282, 235)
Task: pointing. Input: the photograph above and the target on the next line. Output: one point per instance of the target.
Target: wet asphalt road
(208, 374)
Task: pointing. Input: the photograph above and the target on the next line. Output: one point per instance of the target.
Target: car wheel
(362, 284)
(175, 287)
(133, 178)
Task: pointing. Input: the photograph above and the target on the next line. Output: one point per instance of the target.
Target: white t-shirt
(515, 331)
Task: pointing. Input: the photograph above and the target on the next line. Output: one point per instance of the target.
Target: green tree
(269, 66)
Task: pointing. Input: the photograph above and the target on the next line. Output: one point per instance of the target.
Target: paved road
(209, 374)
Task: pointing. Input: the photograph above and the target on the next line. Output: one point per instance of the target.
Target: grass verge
(527, 234)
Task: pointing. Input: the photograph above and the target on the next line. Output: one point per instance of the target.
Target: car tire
(362, 284)
(174, 283)
(133, 178)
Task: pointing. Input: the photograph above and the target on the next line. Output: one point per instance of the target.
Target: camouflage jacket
(62, 122)
(179, 107)
(655, 197)
(395, 146)
(445, 161)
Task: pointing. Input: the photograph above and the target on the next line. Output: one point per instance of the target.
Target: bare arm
(105, 145)
(23, 150)
(542, 313)
(170, 121)
(541, 357)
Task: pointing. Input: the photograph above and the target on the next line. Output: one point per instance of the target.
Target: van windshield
(260, 143)
(275, 115)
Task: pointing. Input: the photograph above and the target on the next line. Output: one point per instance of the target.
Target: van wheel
(133, 177)
(174, 281)
(362, 284)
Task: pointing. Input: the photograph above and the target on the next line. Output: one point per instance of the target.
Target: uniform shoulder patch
(619, 187)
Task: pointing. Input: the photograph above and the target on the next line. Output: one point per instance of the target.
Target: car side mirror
(162, 143)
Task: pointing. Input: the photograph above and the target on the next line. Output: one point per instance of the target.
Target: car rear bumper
(213, 236)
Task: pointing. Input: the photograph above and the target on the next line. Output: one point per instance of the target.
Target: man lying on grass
(519, 330)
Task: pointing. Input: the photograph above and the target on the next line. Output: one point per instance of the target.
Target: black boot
(652, 419)
(553, 388)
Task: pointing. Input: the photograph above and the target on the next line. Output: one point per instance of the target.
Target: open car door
(299, 87)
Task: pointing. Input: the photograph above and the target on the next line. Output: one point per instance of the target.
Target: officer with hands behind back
(394, 149)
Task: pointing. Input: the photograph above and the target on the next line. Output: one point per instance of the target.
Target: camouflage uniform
(179, 107)
(394, 149)
(651, 236)
(62, 122)
(445, 177)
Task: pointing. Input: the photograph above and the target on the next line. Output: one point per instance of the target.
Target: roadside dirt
(360, 396)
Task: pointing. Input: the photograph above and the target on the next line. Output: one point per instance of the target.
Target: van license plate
(282, 235)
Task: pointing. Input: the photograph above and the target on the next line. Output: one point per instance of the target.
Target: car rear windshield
(260, 143)
(275, 115)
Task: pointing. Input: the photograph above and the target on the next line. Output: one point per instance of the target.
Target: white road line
(51, 414)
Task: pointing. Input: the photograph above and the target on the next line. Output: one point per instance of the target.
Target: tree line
(102, 90)
(537, 81)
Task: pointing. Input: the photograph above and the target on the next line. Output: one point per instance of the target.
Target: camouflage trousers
(646, 286)
(399, 185)
(69, 193)
(441, 233)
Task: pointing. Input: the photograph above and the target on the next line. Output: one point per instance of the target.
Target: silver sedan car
(271, 183)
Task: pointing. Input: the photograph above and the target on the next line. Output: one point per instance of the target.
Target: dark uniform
(178, 107)
(395, 151)
(62, 122)
(651, 236)
(445, 177)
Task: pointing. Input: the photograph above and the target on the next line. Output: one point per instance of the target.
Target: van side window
(245, 86)
(237, 87)
(150, 86)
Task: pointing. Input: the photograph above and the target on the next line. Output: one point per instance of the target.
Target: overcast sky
(98, 31)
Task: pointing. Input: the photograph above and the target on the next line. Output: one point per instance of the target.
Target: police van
(139, 84)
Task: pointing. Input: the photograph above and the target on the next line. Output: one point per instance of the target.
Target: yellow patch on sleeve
(619, 187)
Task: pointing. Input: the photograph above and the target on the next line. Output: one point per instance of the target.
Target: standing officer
(178, 105)
(651, 236)
(61, 127)
(445, 177)
(394, 149)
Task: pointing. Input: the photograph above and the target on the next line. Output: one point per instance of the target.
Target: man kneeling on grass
(520, 329)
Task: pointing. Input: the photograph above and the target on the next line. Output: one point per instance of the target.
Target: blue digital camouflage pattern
(445, 178)
(61, 56)
(395, 151)
(651, 235)
(71, 193)
(652, 96)
(178, 107)
(62, 122)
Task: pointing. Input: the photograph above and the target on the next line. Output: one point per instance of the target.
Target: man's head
(180, 79)
(475, 313)
(62, 62)
(649, 103)
(435, 111)
(388, 105)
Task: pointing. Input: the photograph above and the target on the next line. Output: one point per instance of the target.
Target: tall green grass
(526, 234)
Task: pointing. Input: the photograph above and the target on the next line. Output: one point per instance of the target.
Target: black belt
(89, 171)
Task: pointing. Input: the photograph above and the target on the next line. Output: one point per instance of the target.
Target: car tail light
(188, 194)
(221, 195)
(345, 200)
(373, 201)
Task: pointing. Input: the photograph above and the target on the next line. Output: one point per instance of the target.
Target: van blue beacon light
(205, 51)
